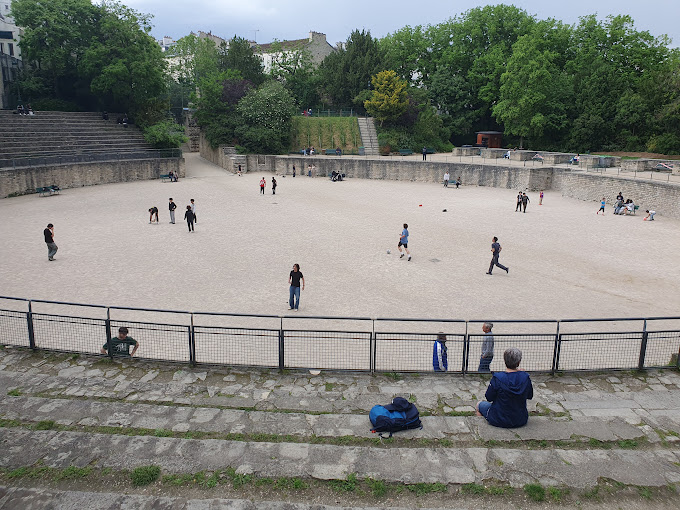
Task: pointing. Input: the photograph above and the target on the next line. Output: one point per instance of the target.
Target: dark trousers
(494, 262)
(524, 204)
(190, 224)
(519, 206)
(424, 156)
(262, 189)
(273, 191)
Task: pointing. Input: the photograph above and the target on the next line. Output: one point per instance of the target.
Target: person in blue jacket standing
(506, 397)
(440, 361)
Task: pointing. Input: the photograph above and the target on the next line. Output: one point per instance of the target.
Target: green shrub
(165, 135)
(535, 491)
(667, 143)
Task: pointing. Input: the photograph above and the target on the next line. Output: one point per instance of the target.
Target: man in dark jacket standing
(506, 397)
(172, 206)
(49, 240)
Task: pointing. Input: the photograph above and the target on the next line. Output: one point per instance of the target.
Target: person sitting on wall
(20, 109)
(506, 155)
(125, 120)
(575, 159)
(105, 115)
(506, 397)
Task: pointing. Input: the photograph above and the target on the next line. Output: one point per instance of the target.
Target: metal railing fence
(338, 343)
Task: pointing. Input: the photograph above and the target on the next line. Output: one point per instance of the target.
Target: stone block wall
(663, 197)
(26, 180)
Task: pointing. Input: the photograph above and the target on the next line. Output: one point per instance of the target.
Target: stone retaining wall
(20, 181)
(662, 197)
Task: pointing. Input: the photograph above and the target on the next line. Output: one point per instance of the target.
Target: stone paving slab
(225, 421)
(574, 468)
(13, 498)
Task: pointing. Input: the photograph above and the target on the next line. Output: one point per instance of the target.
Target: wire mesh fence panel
(237, 346)
(169, 342)
(599, 351)
(332, 350)
(70, 334)
(537, 352)
(662, 348)
(14, 328)
(415, 352)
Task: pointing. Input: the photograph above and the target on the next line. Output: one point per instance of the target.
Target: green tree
(389, 99)
(239, 56)
(407, 53)
(536, 93)
(266, 113)
(346, 72)
(295, 70)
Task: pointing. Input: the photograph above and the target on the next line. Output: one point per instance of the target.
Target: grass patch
(395, 376)
(535, 491)
(145, 475)
(44, 425)
(349, 484)
(14, 393)
(628, 444)
(557, 494)
(329, 386)
(420, 489)
(474, 489)
(295, 484)
(377, 487)
(596, 443)
(593, 493)
(645, 492)
(162, 433)
(72, 473)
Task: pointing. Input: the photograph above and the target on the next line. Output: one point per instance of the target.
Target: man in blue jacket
(506, 397)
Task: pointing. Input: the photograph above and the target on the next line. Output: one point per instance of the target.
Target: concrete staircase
(270, 437)
(63, 137)
(236, 159)
(369, 137)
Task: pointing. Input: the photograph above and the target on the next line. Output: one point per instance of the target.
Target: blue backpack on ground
(399, 415)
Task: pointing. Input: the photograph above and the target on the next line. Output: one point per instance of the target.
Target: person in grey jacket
(487, 348)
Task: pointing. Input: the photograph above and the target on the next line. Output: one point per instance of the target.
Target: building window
(11, 49)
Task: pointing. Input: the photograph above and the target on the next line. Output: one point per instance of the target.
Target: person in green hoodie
(506, 397)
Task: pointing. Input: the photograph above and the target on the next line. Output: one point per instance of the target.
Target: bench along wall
(662, 197)
(25, 180)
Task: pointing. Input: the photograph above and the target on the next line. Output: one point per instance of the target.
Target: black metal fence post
(643, 346)
(466, 350)
(373, 348)
(192, 343)
(31, 331)
(281, 345)
(109, 351)
(556, 349)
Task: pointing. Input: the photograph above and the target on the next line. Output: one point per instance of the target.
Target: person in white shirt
(193, 210)
(446, 179)
(650, 215)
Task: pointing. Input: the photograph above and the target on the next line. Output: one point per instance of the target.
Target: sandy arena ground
(564, 260)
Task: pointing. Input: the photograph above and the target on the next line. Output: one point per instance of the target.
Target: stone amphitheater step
(61, 410)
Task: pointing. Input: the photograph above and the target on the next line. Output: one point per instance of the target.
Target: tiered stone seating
(68, 137)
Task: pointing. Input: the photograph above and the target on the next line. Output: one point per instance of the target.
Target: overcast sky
(293, 19)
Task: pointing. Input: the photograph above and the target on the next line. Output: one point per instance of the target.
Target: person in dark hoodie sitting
(506, 397)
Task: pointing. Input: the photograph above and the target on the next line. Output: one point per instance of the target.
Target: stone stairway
(269, 437)
(369, 137)
(68, 137)
(236, 159)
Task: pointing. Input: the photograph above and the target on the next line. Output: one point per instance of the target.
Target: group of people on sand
(189, 214)
(624, 207)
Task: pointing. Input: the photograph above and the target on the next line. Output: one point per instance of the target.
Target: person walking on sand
(172, 206)
(293, 170)
(603, 202)
(273, 185)
(193, 210)
(518, 206)
(403, 241)
(496, 251)
(294, 280)
(525, 201)
(540, 198)
(49, 241)
(189, 216)
(446, 179)
(263, 183)
(239, 170)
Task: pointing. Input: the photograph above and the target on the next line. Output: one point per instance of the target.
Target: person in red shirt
(263, 183)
